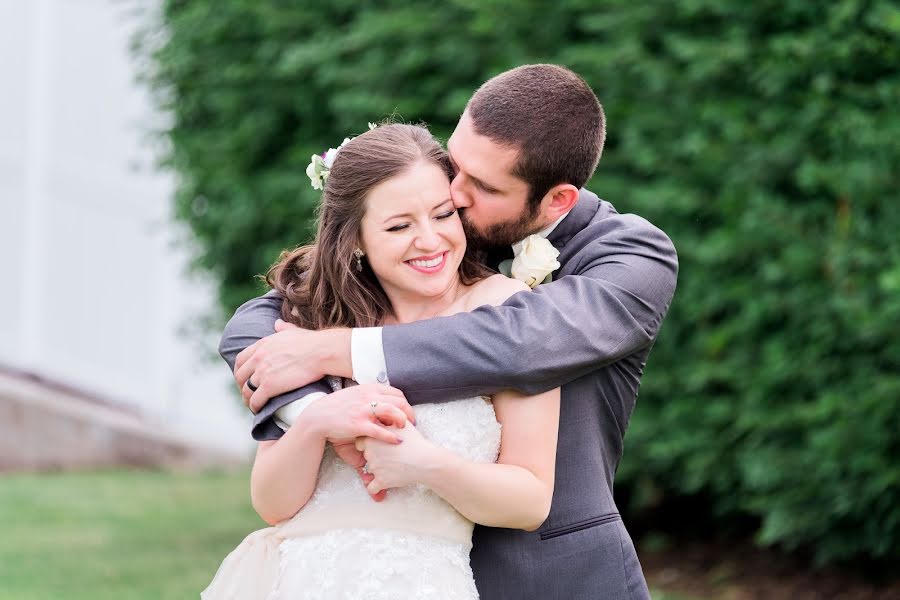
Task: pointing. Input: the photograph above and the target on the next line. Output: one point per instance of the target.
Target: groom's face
(493, 202)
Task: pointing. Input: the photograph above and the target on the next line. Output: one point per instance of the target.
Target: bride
(390, 248)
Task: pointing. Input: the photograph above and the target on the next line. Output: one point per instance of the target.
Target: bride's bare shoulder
(494, 290)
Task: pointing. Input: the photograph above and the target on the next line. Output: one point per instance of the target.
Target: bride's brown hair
(320, 283)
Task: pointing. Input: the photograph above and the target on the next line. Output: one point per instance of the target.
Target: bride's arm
(515, 492)
(285, 471)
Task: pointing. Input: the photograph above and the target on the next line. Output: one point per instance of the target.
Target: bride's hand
(369, 410)
(348, 453)
(398, 465)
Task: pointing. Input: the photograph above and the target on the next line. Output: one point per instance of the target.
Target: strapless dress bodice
(466, 427)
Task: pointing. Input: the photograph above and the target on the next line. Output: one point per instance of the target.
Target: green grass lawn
(122, 535)
(118, 535)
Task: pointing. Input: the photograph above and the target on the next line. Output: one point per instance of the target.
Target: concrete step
(50, 426)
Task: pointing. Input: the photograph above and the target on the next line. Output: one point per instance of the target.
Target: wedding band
(250, 385)
(365, 468)
(373, 404)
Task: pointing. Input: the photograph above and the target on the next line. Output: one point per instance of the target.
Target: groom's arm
(608, 304)
(251, 322)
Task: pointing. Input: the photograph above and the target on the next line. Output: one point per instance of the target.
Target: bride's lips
(428, 265)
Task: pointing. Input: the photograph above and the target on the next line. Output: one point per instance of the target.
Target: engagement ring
(373, 404)
(365, 468)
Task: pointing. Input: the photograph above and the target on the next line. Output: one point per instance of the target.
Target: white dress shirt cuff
(367, 355)
(287, 414)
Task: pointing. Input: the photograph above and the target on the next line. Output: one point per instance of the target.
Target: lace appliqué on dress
(353, 564)
(381, 563)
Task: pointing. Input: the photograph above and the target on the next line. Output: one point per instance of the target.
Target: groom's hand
(288, 360)
(353, 457)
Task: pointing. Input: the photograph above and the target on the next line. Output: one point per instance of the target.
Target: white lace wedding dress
(344, 546)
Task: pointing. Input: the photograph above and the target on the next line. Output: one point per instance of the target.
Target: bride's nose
(428, 239)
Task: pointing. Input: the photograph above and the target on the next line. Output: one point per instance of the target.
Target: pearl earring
(358, 254)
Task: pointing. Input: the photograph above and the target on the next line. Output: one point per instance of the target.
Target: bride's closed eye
(440, 217)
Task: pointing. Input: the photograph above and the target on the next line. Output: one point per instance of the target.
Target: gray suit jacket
(590, 332)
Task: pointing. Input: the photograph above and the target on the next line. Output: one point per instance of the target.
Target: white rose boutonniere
(535, 261)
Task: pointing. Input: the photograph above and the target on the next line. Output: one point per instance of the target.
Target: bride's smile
(428, 264)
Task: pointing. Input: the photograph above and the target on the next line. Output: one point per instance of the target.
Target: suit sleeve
(251, 322)
(612, 294)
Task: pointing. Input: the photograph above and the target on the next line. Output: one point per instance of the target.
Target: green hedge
(762, 136)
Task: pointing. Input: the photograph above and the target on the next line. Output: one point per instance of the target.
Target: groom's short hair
(551, 116)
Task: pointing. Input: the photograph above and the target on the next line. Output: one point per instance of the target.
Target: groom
(528, 141)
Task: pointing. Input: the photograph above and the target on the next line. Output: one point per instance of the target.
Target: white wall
(92, 291)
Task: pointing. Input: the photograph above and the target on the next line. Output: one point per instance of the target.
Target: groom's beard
(505, 233)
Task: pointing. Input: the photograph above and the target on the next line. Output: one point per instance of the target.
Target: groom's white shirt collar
(367, 354)
(517, 247)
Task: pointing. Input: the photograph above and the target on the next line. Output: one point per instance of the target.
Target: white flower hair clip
(320, 164)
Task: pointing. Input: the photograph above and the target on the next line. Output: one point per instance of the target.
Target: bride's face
(412, 235)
